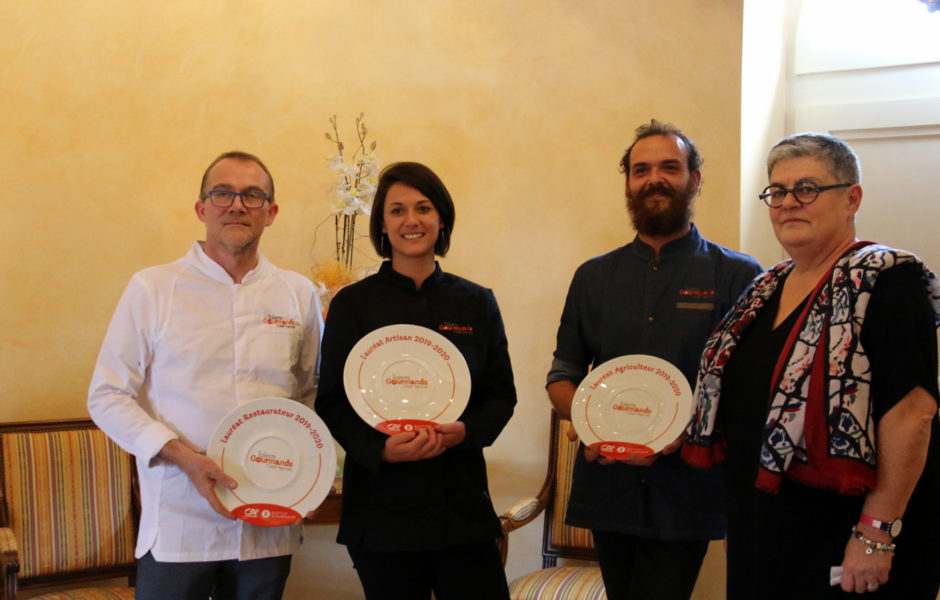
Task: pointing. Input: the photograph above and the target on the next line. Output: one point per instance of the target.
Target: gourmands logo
(272, 461)
(632, 409)
(280, 322)
(406, 381)
(455, 328)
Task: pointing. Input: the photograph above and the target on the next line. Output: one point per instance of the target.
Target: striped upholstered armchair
(68, 510)
(558, 540)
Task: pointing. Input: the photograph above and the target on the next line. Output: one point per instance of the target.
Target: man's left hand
(310, 516)
(453, 434)
(202, 471)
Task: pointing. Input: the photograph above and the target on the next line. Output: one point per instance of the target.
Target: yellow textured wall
(111, 110)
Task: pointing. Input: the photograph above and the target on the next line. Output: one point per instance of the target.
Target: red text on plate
(622, 450)
(266, 515)
(403, 426)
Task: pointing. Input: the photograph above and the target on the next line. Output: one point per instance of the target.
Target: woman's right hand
(413, 445)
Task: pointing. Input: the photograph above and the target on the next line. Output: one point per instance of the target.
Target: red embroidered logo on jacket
(697, 294)
(453, 327)
(280, 322)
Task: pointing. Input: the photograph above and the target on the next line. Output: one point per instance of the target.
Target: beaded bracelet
(873, 546)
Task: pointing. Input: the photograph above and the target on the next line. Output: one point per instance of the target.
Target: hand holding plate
(592, 453)
(645, 461)
(202, 471)
(413, 445)
(452, 434)
(674, 446)
(572, 434)
(312, 515)
(641, 461)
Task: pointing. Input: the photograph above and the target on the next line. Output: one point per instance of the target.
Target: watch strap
(886, 526)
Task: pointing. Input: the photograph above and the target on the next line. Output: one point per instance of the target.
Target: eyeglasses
(225, 198)
(805, 192)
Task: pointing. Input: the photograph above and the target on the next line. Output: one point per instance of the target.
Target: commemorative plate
(282, 456)
(632, 406)
(404, 377)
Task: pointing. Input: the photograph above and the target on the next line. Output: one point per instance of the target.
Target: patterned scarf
(819, 430)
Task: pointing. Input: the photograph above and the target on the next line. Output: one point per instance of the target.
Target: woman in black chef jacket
(417, 514)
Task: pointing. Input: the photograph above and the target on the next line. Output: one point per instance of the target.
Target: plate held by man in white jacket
(282, 456)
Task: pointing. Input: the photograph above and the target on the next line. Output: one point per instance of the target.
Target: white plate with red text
(632, 406)
(282, 456)
(404, 377)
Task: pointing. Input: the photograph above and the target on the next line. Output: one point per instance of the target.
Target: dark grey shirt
(630, 302)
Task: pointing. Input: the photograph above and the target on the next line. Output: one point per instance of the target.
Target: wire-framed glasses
(805, 191)
(225, 198)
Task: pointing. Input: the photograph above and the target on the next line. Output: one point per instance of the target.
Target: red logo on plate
(623, 450)
(403, 425)
(266, 515)
(632, 409)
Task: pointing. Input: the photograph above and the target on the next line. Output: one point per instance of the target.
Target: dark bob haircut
(423, 179)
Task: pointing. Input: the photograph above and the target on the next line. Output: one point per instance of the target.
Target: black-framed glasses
(225, 198)
(805, 191)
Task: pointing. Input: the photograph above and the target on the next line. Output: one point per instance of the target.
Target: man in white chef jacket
(189, 341)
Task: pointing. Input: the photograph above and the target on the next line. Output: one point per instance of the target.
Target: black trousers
(636, 568)
(470, 572)
(260, 579)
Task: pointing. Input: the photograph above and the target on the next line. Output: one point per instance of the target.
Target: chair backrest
(559, 539)
(68, 494)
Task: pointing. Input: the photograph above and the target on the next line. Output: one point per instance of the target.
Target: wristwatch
(893, 527)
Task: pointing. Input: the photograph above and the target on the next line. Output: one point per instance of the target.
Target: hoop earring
(441, 239)
(382, 245)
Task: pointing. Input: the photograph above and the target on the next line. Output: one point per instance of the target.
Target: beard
(656, 221)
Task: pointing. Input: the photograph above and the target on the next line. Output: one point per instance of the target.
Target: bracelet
(873, 546)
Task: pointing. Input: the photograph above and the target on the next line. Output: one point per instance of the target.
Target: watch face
(894, 528)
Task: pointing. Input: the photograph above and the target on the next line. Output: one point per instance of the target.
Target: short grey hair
(835, 153)
(236, 155)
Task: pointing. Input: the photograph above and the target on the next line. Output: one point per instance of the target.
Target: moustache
(657, 188)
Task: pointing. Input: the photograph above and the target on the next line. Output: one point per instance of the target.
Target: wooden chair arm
(524, 511)
(7, 541)
(9, 564)
(521, 513)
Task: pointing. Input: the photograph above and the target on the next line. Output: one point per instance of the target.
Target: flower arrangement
(354, 188)
(352, 192)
